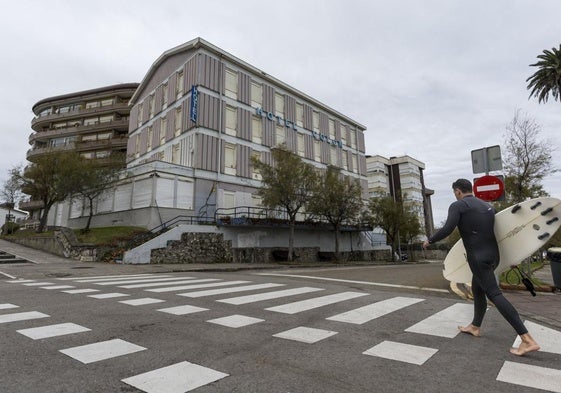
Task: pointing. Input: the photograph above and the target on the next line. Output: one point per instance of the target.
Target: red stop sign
(489, 188)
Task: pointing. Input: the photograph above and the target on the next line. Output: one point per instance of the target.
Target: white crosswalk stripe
(180, 377)
(407, 353)
(536, 377)
(137, 281)
(158, 284)
(444, 323)
(269, 295)
(196, 286)
(49, 331)
(309, 304)
(223, 291)
(376, 310)
(102, 350)
(22, 316)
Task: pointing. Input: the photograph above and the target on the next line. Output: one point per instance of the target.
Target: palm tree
(547, 79)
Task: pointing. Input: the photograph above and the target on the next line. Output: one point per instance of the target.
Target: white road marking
(236, 321)
(372, 311)
(19, 281)
(548, 339)
(138, 281)
(85, 290)
(222, 291)
(141, 302)
(407, 353)
(8, 275)
(22, 316)
(182, 310)
(108, 295)
(60, 329)
(102, 350)
(268, 295)
(309, 304)
(59, 287)
(305, 334)
(180, 377)
(113, 277)
(158, 284)
(531, 376)
(378, 284)
(445, 323)
(187, 287)
(7, 306)
(36, 284)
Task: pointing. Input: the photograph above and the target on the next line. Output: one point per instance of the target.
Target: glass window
(91, 121)
(331, 128)
(317, 151)
(165, 96)
(178, 121)
(149, 141)
(231, 84)
(353, 139)
(151, 105)
(300, 145)
(107, 102)
(175, 154)
(231, 120)
(256, 94)
(106, 119)
(333, 155)
(279, 104)
(179, 85)
(316, 121)
(300, 115)
(163, 128)
(102, 154)
(92, 104)
(230, 159)
(344, 135)
(256, 130)
(140, 114)
(280, 135)
(104, 136)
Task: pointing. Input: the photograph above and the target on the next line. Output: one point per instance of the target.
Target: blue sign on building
(194, 109)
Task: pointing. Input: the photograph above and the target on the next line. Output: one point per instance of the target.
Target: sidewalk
(544, 307)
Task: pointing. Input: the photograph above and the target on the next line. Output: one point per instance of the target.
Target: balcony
(112, 143)
(45, 136)
(44, 150)
(121, 108)
(31, 205)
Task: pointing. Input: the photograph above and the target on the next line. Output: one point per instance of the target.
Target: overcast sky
(430, 79)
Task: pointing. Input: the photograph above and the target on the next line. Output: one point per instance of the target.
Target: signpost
(489, 188)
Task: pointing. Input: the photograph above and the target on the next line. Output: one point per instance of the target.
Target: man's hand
(425, 244)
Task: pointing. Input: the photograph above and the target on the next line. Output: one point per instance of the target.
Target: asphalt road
(336, 330)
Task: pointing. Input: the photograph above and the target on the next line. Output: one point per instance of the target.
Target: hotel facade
(196, 119)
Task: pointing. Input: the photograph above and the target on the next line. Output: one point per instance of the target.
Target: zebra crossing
(187, 376)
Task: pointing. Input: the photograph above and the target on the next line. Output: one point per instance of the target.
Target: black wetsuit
(475, 220)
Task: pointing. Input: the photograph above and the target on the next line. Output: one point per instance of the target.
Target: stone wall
(195, 248)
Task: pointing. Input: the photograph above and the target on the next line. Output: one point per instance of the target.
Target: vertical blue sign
(194, 104)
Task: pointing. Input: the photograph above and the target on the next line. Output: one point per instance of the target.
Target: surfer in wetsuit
(475, 220)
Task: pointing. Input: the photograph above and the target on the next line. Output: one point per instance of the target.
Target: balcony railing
(121, 108)
(122, 124)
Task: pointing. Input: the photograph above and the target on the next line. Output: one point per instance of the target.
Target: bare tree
(528, 159)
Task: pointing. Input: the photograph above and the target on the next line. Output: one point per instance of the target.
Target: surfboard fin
(515, 209)
(526, 281)
(548, 210)
(554, 219)
(543, 236)
(535, 205)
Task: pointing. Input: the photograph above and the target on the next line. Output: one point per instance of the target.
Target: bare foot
(470, 329)
(525, 348)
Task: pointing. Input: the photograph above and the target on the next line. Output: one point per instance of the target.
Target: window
(59, 125)
(175, 154)
(92, 104)
(300, 115)
(256, 130)
(279, 105)
(355, 163)
(151, 105)
(301, 145)
(353, 139)
(149, 141)
(256, 94)
(331, 128)
(231, 84)
(165, 96)
(179, 85)
(91, 121)
(333, 155)
(106, 119)
(104, 136)
(231, 120)
(230, 159)
(107, 102)
(229, 200)
(255, 174)
(317, 151)
(280, 135)
(89, 138)
(140, 114)
(163, 128)
(178, 121)
(102, 154)
(316, 121)
(343, 135)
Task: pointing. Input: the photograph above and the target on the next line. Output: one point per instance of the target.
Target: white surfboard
(520, 230)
